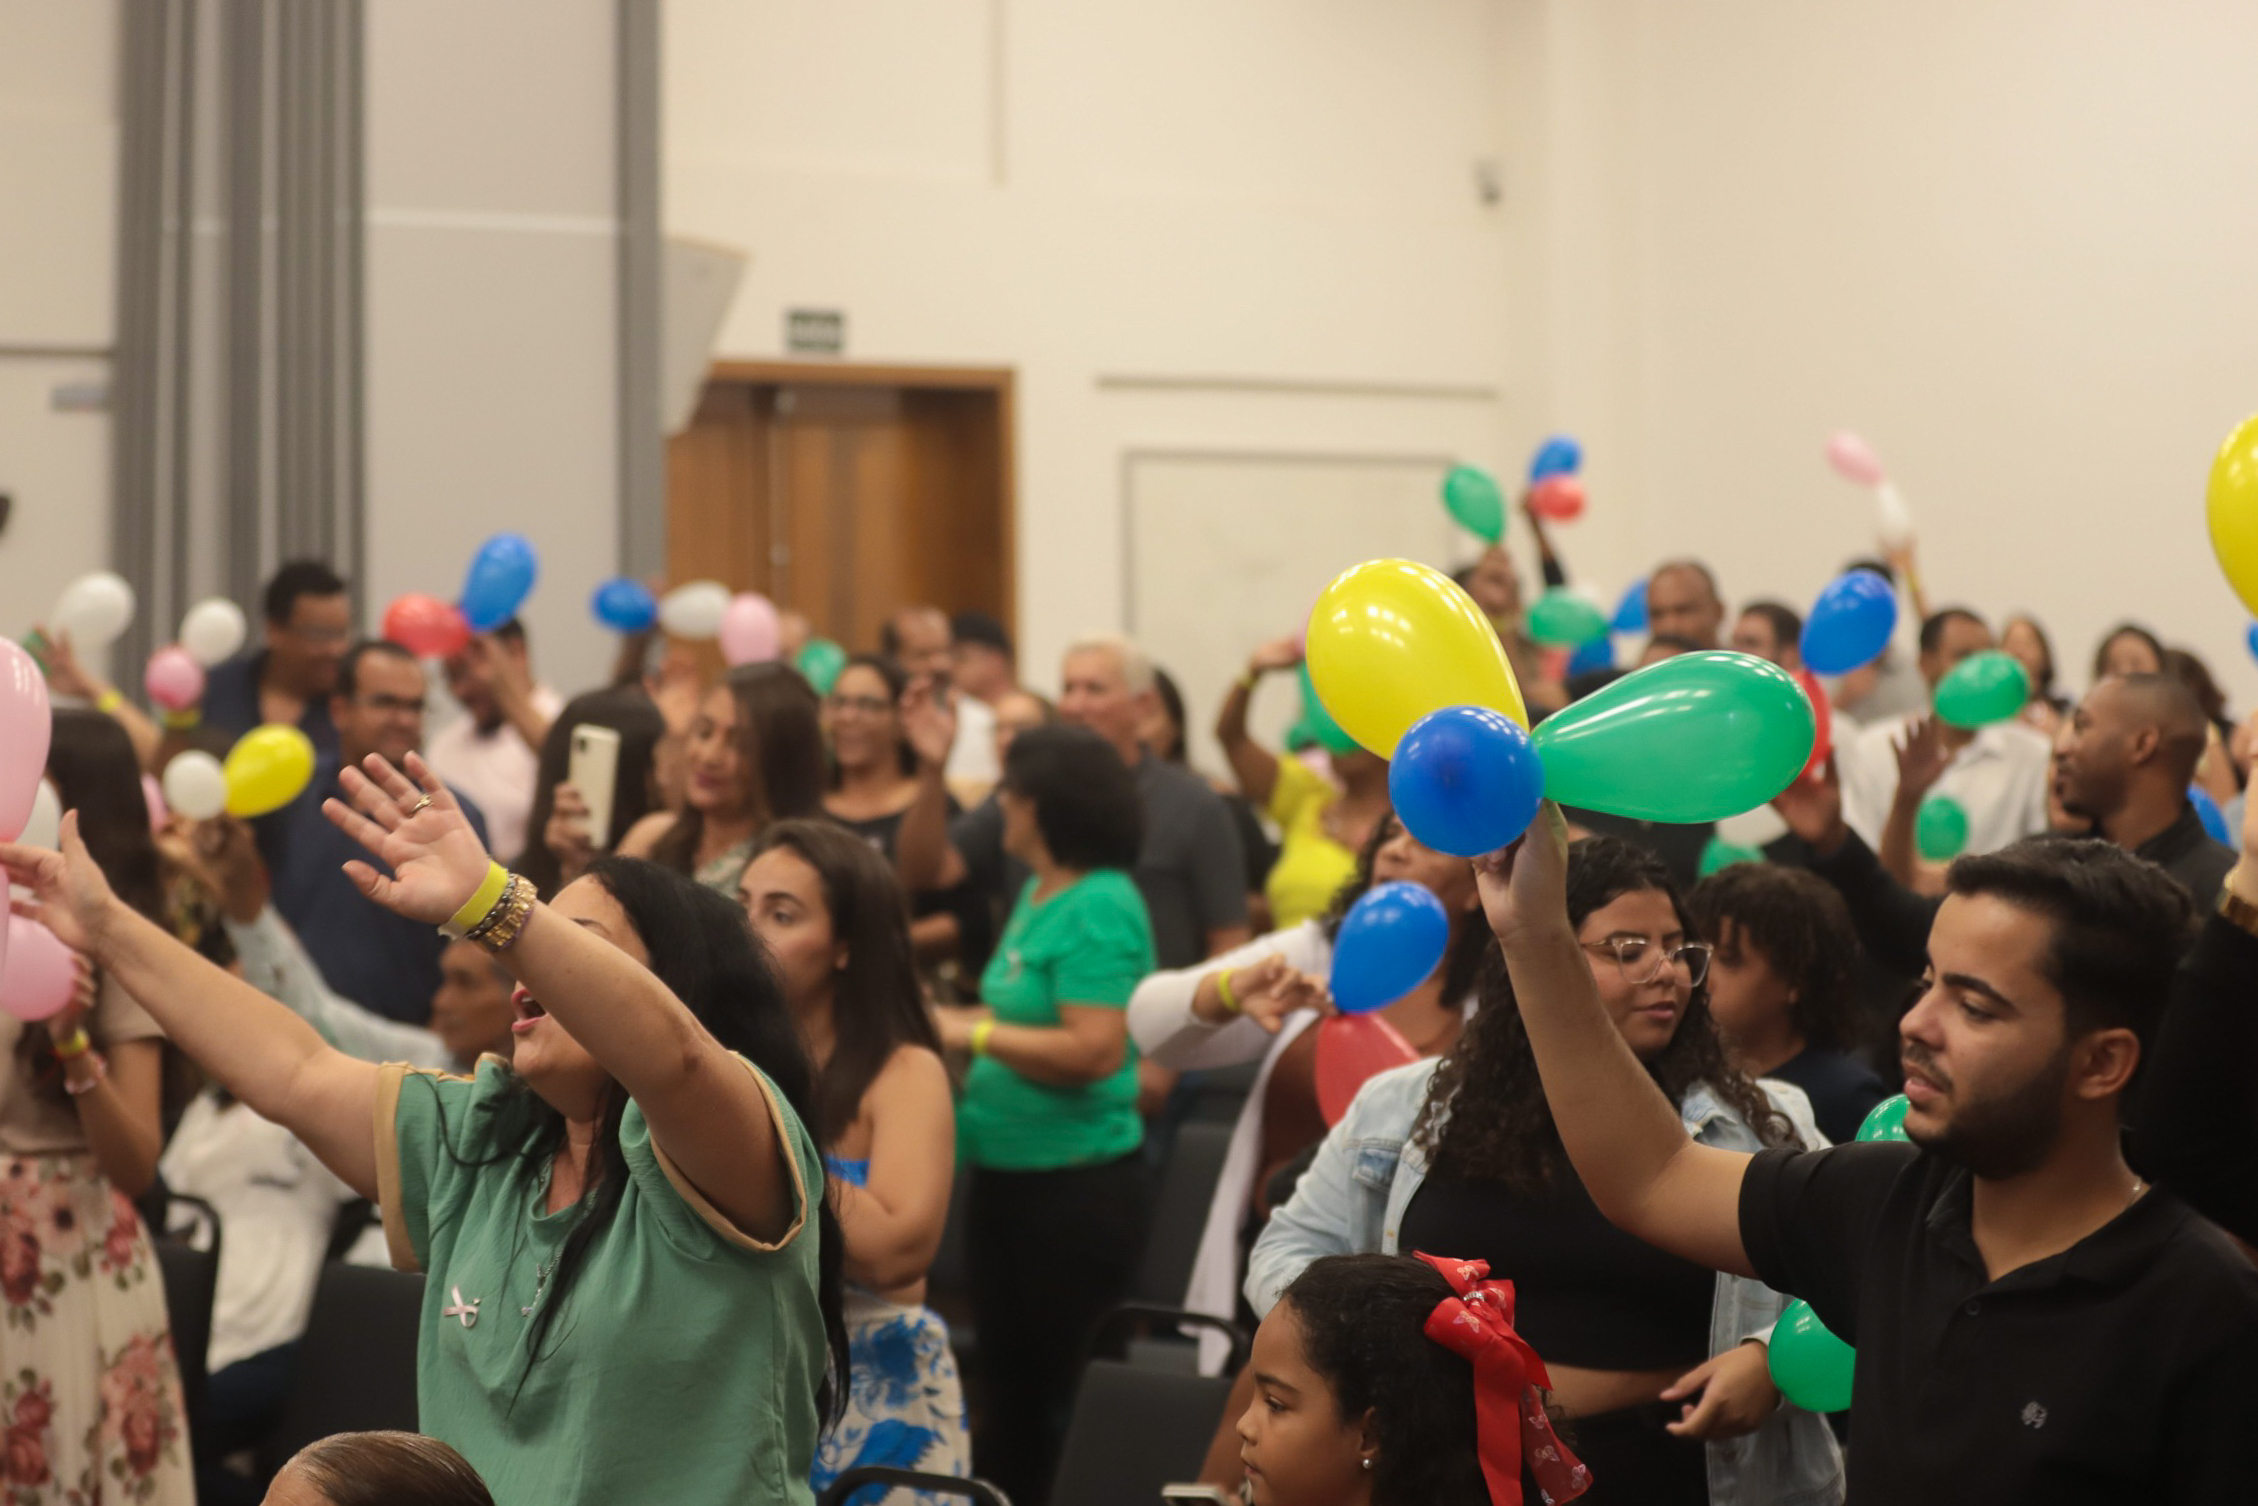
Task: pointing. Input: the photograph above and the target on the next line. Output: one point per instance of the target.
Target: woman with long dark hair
(830, 912)
(89, 1389)
(1649, 1354)
(561, 846)
(755, 755)
(632, 1269)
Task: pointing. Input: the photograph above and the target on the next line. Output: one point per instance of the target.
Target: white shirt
(277, 1206)
(2001, 779)
(497, 769)
(972, 757)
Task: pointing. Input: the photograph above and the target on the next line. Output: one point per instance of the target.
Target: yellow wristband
(74, 1045)
(476, 907)
(182, 721)
(1223, 991)
(109, 701)
(980, 1034)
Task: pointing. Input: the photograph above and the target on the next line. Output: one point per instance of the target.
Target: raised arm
(1627, 1141)
(1921, 760)
(923, 858)
(706, 1111)
(1253, 765)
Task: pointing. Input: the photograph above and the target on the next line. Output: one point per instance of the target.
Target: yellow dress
(1311, 866)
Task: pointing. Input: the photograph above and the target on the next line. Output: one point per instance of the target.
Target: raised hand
(1921, 758)
(419, 831)
(1812, 807)
(567, 836)
(928, 721)
(1278, 653)
(65, 675)
(68, 892)
(1525, 887)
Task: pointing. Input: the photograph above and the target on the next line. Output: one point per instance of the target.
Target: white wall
(58, 210)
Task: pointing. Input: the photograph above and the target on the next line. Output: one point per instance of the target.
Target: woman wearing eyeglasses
(1659, 1363)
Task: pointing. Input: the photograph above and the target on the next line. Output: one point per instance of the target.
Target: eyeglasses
(392, 705)
(868, 705)
(1642, 961)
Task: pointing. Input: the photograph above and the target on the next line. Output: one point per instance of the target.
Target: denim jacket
(1353, 1197)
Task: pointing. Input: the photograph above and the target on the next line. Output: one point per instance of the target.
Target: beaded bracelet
(500, 929)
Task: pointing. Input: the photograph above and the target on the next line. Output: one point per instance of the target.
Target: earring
(1367, 1461)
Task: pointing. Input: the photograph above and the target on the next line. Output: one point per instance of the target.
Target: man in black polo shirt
(309, 625)
(2033, 1322)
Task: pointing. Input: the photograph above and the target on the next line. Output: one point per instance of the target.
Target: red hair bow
(1511, 1427)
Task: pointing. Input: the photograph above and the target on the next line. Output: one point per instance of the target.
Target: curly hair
(1469, 932)
(1797, 922)
(1362, 1320)
(1486, 1115)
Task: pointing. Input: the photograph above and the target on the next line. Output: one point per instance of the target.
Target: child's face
(1297, 1450)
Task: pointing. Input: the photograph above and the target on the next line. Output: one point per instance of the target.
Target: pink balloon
(39, 975)
(26, 722)
(153, 795)
(1854, 460)
(750, 632)
(174, 680)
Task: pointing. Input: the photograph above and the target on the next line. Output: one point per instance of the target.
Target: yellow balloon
(267, 769)
(1392, 640)
(2234, 511)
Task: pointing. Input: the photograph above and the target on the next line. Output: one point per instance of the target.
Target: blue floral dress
(905, 1405)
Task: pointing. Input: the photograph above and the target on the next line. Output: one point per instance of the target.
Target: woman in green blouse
(1056, 1216)
(633, 1276)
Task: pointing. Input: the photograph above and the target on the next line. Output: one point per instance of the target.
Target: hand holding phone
(594, 772)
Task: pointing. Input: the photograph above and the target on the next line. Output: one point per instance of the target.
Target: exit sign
(818, 332)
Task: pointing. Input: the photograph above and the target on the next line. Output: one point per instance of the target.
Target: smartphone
(1206, 1495)
(594, 771)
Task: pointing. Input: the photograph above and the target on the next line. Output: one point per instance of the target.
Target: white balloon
(694, 610)
(44, 827)
(213, 631)
(195, 786)
(94, 609)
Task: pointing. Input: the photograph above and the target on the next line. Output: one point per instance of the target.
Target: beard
(2006, 1133)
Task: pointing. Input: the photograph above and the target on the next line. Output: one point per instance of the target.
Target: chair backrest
(192, 1279)
(853, 1487)
(1135, 1430)
(356, 1367)
(1187, 1185)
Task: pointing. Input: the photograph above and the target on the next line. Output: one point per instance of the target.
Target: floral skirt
(90, 1404)
(905, 1405)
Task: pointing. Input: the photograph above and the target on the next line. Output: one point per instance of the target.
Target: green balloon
(1475, 501)
(1886, 1120)
(1720, 854)
(1982, 689)
(1940, 830)
(1694, 738)
(1810, 1365)
(1562, 619)
(821, 662)
(1318, 722)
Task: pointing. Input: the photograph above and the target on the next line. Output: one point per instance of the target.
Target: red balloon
(426, 626)
(1352, 1049)
(1823, 714)
(1558, 499)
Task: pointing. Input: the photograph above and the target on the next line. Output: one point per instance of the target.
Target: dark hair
(1486, 1115)
(1172, 702)
(889, 669)
(1692, 567)
(1799, 924)
(890, 631)
(2043, 691)
(2129, 630)
(780, 739)
(512, 631)
(2189, 669)
(1086, 801)
(1933, 626)
(1469, 932)
(349, 667)
(877, 1006)
(1363, 1320)
(2119, 925)
(628, 712)
(96, 773)
(389, 1469)
(705, 954)
(295, 579)
(2171, 707)
(1785, 621)
(1872, 566)
(981, 628)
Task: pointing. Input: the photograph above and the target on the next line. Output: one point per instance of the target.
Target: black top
(1843, 1090)
(2123, 1369)
(976, 925)
(1585, 1293)
(231, 704)
(2196, 1130)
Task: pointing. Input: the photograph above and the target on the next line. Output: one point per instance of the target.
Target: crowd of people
(668, 1088)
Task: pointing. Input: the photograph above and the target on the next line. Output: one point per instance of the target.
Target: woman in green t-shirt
(633, 1273)
(1056, 1216)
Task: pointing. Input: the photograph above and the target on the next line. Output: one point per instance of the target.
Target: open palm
(419, 831)
(68, 892)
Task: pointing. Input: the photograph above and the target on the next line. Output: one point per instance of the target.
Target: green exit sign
(818, 332)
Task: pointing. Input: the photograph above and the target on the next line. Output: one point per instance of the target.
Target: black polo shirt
(2123, 1369)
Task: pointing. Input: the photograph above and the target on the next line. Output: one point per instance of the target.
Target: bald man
(2124, 761)
(1682, 602)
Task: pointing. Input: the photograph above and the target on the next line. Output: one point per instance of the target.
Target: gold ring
(417, 808)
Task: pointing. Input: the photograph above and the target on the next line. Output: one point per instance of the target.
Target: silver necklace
(540, 1283)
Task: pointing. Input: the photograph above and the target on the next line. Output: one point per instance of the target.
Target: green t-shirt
(1090, 944)
(683, 1368)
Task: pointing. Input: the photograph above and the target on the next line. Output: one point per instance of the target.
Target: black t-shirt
(1843, 1090)
(2123, 1369)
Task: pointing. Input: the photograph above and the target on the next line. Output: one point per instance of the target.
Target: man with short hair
(492, 752)
(1770, 630)
(309, 624)
(386, 961)
(1682, 602)
(984, 671)
(2033, 1321)
(917, 638)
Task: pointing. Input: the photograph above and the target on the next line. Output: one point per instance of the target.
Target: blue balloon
(1850, 624)
(1630, 612)
(1390, 942)
(2250, 636)
(1597, 654)
(625, 606)
(1557, 456)
(2214, 819)
(501, 577)
(1465, 780)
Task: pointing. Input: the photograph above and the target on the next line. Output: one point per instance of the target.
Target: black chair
(1187, 1186)
(187, 1246)
(842, 1490)
(1134, 1430)
(356, 1366)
